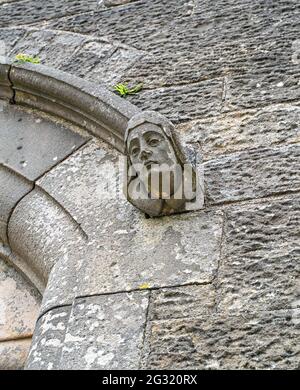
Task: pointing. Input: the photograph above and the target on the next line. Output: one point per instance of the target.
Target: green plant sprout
(123, 89)
(22, 58)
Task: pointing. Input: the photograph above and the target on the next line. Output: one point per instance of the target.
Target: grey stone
(105, 332)
(270, 126)
(130, 251)
(53, 48)
(178, 103)
(110, 71)
(19, 304)
(255, 90)
(182, 42)
(111, 3)
(253, 173)
(6, 91)
(192, 60)
(8, 38)
(13, 354)
(260, 266)
(31, 145)
(268, 340)
(25, 12)
(182, 302)
(13, 189)
(48, 340)
(42, 233)
(90, 60)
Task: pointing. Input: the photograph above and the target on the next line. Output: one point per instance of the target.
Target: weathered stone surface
(193, 60)
(13, 354)
(270, 126)
(31, 145)
(253, 173)
(8, 38)
(145, 24)
(89, 60)
(110, 3)
(182, 302)
(13, 189)
(129, 250)
(254, 89)
(19, 304)
(52, 47)
(105, 332)
(182, 46)
(48, 340)
(25, 12)
(6, 91)
(42, 233)
(260, 266)
(178, 103)
(269, 340)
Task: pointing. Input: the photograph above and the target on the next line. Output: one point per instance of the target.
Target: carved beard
(161, 181)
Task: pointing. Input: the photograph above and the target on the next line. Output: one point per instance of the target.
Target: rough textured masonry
(216, 288)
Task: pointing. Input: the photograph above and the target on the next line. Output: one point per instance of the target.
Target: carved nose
(145, 154)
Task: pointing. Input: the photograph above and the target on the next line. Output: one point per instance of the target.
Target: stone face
(13, 189)
(260, 266)
(19, 304)
(252, 174)
(48, 340)
(271, 126)
(105, 332)
(13, 354)
(31, 145)
(268, 340)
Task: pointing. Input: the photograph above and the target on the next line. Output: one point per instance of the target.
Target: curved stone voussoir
(41, 232)
(13, 188)
(90, 106)
(6, 91)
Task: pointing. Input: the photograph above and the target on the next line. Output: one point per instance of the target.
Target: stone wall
(217, 288)
(19, 306)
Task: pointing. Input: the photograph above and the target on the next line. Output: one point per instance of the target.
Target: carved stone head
(155, 166)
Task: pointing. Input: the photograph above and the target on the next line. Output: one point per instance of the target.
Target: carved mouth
(149, 163)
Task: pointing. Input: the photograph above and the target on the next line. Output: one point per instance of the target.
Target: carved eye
(135, 151)
(153, 142)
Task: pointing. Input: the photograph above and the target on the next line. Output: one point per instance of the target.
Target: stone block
(268, 340)
(260, 266)
(19, 12)
(31, 145)
(271, 126)
(182, 302)
(48, 340)
(105, 332)
(178, 103)
(253, 173)
(13, 354)
(13, 189)
(19, 304)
